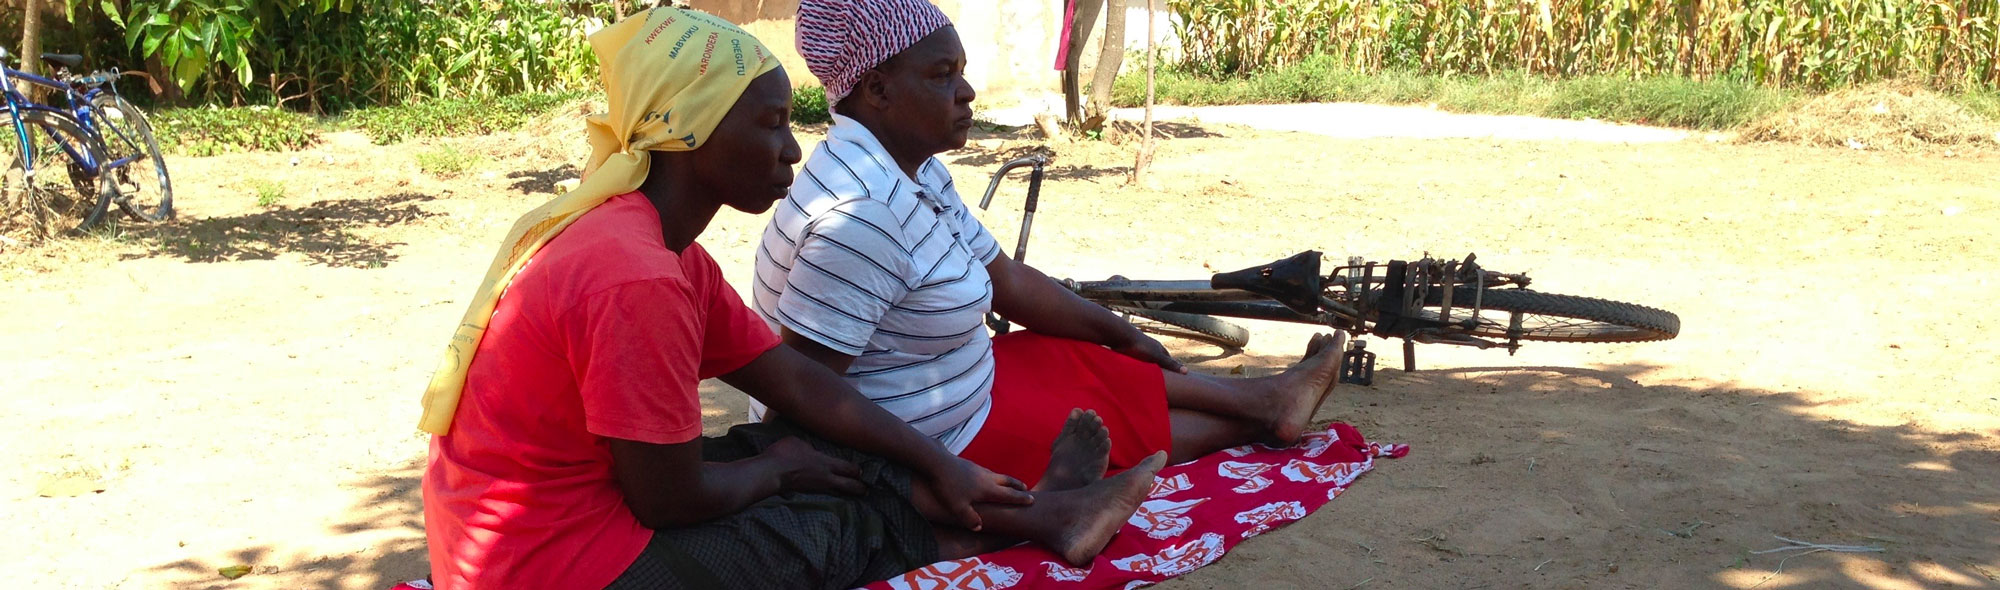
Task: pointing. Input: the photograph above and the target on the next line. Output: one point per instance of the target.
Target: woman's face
(926, 90)
(748, 159)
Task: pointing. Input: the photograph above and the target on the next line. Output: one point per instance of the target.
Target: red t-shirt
(604, 334)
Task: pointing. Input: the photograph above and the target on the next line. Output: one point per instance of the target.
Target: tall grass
(1658, 100)
(1814, 44)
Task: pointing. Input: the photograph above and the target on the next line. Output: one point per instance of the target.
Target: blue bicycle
(70, 164)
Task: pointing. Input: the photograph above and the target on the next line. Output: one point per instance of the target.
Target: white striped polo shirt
(866, 261)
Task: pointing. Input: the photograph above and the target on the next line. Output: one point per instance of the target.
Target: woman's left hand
(1140, 346)
(959, 484)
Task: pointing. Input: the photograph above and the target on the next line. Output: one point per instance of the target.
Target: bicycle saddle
(67, 60)
(1293, 281)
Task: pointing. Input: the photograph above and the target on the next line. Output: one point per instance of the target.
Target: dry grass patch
(1887, 116)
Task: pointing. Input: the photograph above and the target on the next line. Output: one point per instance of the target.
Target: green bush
(269, 192)
(447, 161)
(326, 56)
(211, 131)
(809, 106)
(453, 117)
(1678, 102)
(1986, 104)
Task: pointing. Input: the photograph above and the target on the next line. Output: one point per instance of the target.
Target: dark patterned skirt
(792, 540)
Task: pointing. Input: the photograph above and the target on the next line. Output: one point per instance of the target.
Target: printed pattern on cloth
(1194, 514)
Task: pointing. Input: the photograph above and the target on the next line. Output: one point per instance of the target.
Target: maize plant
(1816, 44)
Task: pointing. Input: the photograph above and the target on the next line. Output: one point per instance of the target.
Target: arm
(833, 359)
(819, 353)
(1027, 297)
(668, 485)
(807, 392)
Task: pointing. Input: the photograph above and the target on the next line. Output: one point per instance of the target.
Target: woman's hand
(801, 468)
(1138, 345)
(959, 484)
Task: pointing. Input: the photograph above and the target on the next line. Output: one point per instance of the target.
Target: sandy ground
(242, 383)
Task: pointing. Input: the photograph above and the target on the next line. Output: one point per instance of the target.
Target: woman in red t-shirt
(572, 455)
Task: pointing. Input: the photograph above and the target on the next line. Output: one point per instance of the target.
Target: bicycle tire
(51, 200)
(1190, 326)
(128, 131)
(1548, 317)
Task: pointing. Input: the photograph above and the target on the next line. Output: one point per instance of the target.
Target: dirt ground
(242, 383)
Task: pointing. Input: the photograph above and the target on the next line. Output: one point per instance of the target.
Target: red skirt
(1038, 379)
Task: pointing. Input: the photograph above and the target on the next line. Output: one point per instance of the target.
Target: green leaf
(154, 39)
(173, 50)
(188, 70)
(132, 35)
(191, 32)
(233, 572)
(208, 38)
(111, 9)
(241, 61)
(459, 64)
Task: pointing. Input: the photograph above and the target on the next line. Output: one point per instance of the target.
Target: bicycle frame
(1353, 298)
(80, 112)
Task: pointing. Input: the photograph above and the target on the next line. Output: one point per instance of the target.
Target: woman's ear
(874, 89)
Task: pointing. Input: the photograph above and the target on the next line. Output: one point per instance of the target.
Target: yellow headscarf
(668, 80)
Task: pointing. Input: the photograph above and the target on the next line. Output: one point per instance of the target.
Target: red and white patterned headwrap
(841, 39)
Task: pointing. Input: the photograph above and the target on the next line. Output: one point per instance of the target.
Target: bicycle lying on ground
(74, 162)
(1429, 301)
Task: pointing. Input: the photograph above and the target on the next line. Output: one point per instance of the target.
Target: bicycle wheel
(144, 191)
(57, 194)
(1187, 325)
(1548, 317)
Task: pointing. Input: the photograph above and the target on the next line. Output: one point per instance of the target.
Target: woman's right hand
(962, 484)
(801, 468)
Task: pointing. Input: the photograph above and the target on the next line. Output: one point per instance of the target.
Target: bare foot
(1091, 515)
(1301, 389)
(1079, 454)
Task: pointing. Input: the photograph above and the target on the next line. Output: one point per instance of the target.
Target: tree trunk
(170, 92)
(1079, 34)
(1109, 58)
(31, 36)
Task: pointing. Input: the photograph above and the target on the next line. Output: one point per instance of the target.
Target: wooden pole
(1145, 157)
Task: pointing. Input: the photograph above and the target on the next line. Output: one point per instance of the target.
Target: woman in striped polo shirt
(874, 267)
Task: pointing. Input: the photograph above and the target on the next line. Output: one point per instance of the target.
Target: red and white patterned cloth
(841, 39)
(1196, 512)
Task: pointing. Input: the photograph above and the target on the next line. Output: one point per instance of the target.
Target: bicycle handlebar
(1033, 160)
(98, 78)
